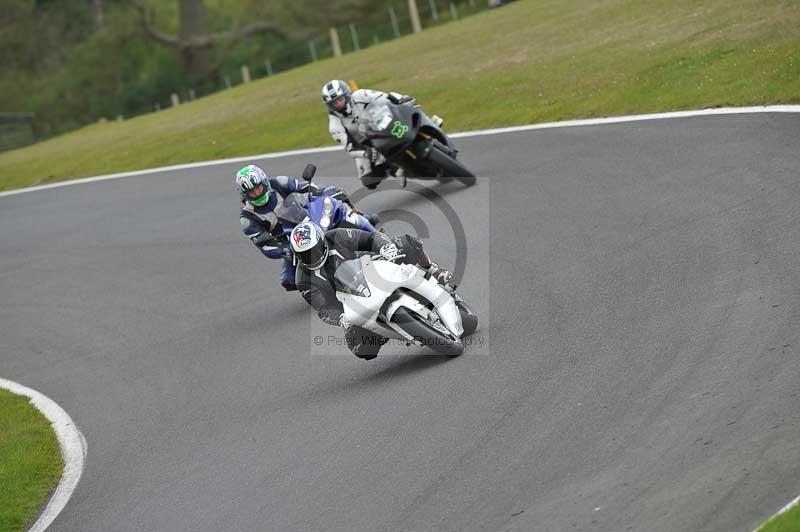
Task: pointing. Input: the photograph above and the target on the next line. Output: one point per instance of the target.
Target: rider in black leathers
(320, 254)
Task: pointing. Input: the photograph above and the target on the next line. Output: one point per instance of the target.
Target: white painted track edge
(463, 134)
(73, 450)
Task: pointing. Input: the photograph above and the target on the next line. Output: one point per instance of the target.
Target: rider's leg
(363, 343)
(287, 275)
(415, 254)
(371, 174)
(368, 177)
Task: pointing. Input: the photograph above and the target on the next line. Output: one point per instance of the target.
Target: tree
(194, 43)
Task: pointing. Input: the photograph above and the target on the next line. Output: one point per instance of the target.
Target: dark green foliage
(71, 65)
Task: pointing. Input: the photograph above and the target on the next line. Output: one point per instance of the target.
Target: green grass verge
(30, 461)
(785, 522)
(530, 61)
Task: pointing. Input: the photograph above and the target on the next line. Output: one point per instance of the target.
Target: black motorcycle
(408, 139)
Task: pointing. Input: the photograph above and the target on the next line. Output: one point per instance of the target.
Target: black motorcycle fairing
(405, 136)
(293, 209)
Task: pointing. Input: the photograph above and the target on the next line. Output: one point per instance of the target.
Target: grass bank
(30, 461)
(530, 61)
(788, 521)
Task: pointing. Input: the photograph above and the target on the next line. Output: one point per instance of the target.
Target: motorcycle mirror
(309, 172)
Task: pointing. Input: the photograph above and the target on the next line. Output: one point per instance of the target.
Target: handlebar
(267, 239)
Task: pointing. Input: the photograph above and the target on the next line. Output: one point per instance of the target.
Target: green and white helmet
(253, 185)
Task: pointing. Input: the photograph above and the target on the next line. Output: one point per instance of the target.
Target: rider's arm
(358, 240)
(368, 96)
(339, 132)
(285, 185)
(254, 228)
(337, 193)
(251, 226)
(397, 98)
(374, 241)
(342, 138)
(406, 249)
(319, 294)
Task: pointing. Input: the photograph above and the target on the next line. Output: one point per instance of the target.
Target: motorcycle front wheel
(426, 334)
(469, 320)
(450, 166)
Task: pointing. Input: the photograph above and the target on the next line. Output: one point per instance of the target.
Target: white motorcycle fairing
(384, 278)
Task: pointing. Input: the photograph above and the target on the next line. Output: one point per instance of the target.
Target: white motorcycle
(398, 301)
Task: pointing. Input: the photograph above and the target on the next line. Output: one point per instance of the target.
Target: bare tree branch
(195, 46)
(232, 36)
(158, 35)
(229, 38)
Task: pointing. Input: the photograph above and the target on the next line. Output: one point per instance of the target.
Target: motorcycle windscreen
(392, 128)
(349, 278)
(293, 209)
(379, 118)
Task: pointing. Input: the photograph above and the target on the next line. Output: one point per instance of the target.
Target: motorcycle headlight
(327, 211)
(359, 290)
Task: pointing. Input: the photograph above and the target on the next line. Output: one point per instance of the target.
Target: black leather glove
(266, 239)
(371, 154)
(401, 99)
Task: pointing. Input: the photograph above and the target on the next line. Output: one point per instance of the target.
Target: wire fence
(379, 26)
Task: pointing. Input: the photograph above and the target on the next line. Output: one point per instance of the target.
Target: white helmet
(309, 245)
(332, 91)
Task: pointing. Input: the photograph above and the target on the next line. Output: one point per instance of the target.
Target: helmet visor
(314, 257)
(258, 195)
(339, 103)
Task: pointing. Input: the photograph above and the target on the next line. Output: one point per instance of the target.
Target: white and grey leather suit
(350, 131)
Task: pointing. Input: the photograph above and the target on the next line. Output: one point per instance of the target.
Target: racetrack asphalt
(639, 289)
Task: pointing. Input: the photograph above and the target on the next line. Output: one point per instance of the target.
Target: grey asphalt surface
(638, 286)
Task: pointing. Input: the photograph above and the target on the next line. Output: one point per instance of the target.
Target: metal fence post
(453, 11)
(414, 12)
(354, 35)
(395, 26)
(313, 49)
(176, 101)
(434, 11)
(335, 43)
(227, 82)
(245, 74)
(268, 64)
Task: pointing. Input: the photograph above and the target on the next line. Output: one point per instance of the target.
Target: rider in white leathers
(345, 107)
